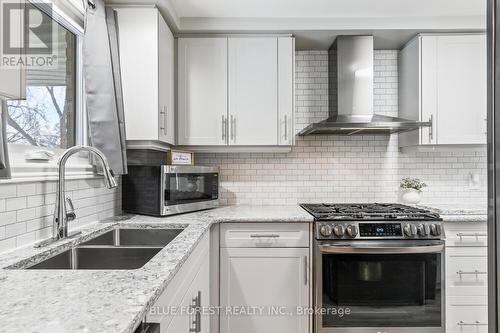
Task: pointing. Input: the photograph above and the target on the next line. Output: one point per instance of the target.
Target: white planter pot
(411, 196)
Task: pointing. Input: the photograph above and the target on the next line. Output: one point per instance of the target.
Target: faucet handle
(70, 210)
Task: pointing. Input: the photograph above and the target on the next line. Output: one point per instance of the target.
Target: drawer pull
(476, 273)
(265, 236)
(476, 235)
(475, 323)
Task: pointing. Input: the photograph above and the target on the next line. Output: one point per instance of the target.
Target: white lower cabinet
(189, 290)
(272, 282)
(467, 314)
(466, 277)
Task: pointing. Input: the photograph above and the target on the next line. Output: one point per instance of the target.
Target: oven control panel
(377, 230)
(380, 230)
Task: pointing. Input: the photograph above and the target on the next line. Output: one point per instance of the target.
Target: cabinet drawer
(466, 234)
(265, 235)
(466, 270)
(467, 315)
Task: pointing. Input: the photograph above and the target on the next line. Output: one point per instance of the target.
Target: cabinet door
(166, 70)
(202, 91)
(466, 314)
(13, 79)
(461, 74)
(286, 65)
(454, 87)
(272, 279)
(253, 82)
(187, 320)
(138, 42)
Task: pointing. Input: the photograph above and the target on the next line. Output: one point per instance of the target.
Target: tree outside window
(47, 117)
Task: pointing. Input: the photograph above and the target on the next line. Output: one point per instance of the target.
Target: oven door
(387, 286)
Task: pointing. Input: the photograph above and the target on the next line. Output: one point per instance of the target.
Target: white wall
(342, 168)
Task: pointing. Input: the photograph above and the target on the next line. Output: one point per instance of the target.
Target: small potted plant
(412, 190)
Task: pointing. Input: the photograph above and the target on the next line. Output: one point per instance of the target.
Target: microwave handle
(381, 249)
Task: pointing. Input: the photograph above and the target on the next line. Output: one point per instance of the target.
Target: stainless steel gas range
(379, 268)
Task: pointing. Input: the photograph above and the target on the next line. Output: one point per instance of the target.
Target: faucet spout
(61, 218)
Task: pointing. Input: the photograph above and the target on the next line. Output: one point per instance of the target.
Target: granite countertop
(459, 213)
(108, 301)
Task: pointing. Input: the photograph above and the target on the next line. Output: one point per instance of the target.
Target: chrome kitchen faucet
(62, 213)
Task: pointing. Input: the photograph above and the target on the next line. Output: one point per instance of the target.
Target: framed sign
(180, 157)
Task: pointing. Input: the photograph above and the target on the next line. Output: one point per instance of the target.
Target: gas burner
(368, 211)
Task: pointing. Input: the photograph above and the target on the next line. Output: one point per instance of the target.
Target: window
(47, 118)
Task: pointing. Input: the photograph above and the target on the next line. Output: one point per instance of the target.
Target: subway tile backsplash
(318, 169)
(26, 208)
(346, 168)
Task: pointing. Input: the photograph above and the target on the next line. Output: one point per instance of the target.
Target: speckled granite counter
(457, 213)
(108, 301)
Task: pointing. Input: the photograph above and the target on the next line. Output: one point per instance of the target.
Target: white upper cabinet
(286, 74)
(236, 91)
(443, 80)
(253, 98)
(147, 67)
(202, 69)
(13, 78)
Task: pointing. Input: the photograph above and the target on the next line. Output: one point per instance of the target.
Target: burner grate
(368, 211)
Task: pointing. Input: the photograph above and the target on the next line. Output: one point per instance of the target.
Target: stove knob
(339, 230)
(352, 231)
(325, 230)
(435, 229)
(410, 230)
(423, 230)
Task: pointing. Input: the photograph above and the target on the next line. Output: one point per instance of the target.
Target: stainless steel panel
(100, 258)
(391, 247)
(355, 75)
(190, 207)
(189, 169)
(493, 164)
(136, 237)
(318, 293)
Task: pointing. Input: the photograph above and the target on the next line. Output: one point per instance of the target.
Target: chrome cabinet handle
(476, 273)
(233, 128)
(165, 124)
(306, 270)
(431, 128)
(162, 119)
(198, 312)
(475, 323)
(223, 128)
(476, 235)
(265, 236)
(286, 127)
(195, 324)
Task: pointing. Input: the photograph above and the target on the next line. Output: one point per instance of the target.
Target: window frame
(79, 166)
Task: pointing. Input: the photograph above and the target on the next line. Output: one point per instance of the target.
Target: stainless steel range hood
(351, 98)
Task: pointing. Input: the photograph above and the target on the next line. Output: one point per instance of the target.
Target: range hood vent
(351, 98)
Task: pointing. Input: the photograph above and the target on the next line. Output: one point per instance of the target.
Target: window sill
(78, 166)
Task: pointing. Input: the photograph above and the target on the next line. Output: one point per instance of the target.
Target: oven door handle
(381, 249)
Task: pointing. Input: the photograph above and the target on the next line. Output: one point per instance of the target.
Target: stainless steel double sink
(119, 248)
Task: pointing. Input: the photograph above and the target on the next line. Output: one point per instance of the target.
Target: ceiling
(316, 23)
(327, 8)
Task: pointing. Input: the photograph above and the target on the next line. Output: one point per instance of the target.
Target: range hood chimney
(351, 98)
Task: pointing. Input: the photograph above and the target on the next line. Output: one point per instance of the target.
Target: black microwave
(166, 189)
